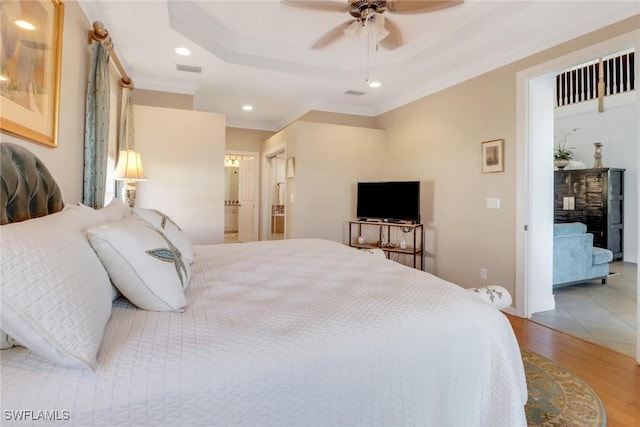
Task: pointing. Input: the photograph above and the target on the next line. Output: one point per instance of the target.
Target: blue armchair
(575, 259)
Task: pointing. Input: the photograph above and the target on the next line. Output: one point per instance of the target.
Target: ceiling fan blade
(420, 6)
(327, 5)
(332, 36)
(394, 39)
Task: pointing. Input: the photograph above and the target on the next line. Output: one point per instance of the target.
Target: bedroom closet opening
(240, 200)
(277, 196)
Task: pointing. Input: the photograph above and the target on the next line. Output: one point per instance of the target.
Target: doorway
(534, 181)
(241, 197)
(274, 193)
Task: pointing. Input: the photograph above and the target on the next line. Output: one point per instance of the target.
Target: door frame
(256, 185)
(531, 231)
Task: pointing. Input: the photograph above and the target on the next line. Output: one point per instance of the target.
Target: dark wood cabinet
(594, 197)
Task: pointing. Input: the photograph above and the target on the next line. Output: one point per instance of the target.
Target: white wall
(540, 128)
(183, 156)
(66, 161)
(238, 139)
(437, 140)
(329, 161)
(616, 128)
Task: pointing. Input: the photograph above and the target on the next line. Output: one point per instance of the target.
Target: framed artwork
(291, 167)
(493, 156)
(30, 62)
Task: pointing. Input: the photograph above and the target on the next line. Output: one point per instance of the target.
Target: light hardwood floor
(615, 377)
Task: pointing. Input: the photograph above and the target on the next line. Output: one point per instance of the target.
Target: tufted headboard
(27, 188)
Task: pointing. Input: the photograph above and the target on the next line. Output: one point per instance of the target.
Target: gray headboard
(27, 188)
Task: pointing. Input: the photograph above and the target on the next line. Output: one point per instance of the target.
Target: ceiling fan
(367, 16)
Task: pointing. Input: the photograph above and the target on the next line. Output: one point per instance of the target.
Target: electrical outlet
(483, 273)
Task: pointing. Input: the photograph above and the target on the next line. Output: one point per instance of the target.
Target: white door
(246, 199)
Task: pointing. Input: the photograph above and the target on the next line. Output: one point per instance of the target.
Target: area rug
(557, 397)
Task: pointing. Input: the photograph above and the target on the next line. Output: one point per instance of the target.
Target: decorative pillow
(143, 263)
(56, 295)
(497, 296)
(170, 229)
(6, 341)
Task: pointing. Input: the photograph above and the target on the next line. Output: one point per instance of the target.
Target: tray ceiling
(258, 52)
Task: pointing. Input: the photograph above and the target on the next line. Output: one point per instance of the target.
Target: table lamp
(129, 169)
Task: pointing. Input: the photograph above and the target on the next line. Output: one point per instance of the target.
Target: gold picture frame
(30, 67)
(493, 156)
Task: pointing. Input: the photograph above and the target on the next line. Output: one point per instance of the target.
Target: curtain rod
(101, 35)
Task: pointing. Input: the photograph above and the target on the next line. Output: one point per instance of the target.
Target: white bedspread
(296, 333)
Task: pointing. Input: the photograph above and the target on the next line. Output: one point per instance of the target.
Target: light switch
(493, 203)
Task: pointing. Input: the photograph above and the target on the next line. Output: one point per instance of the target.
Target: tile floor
(604, 314)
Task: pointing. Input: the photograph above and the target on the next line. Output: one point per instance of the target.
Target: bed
(300, 332)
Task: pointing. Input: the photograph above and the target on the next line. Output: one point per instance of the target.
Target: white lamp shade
(129, 167)
(353, 30)
(382, 34)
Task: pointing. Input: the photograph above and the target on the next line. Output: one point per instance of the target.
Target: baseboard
(510, 310)
(543, 304)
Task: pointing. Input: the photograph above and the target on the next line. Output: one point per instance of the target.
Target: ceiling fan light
(354, 30)
(382, 34)
(374, 23)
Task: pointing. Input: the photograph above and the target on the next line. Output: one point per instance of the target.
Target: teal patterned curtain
(96, 128)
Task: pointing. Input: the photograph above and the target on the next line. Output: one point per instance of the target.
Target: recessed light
(183, 51)
(3, 78)
(374, 84)
(25, 25)
(247, 107)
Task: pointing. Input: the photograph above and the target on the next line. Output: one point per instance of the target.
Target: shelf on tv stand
(417, 237)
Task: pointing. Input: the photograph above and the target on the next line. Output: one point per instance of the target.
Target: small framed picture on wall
(493, 156)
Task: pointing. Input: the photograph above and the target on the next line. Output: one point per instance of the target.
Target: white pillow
(143, 263)
(170, 229)
(114, 211)
(56, 295)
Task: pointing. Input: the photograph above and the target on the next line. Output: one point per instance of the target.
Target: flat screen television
(392, 201)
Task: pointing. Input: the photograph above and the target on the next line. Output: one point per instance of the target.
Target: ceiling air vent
(188, 68)
(354, 92)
